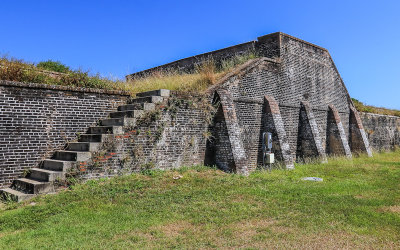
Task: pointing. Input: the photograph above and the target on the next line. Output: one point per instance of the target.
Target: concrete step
(137, 106)
(31, 186)
(148, 99)
(116, 130)
(123, 121)
(46, 175)
(56, 165)
(64, 155)
(128, 113)
(157, 92)
(83, 146)
(94, 137)
(14, 195)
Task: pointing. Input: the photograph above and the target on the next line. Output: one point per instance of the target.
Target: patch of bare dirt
(10, 233)
(339, 240)
(392, 209)
(143, 235)
(250, 228)
(175, 229)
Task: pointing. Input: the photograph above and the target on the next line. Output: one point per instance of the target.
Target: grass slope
(376, 110)
(356, 206)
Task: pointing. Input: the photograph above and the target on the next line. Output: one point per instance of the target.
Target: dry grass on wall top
(205, 75)
(195, 82)
(20, 71)
(371, 109)
(55, 73)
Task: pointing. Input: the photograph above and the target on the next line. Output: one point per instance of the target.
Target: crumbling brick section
(274, 124)
(232, 126)
(336, 141)
(358, 138)
(309, 144)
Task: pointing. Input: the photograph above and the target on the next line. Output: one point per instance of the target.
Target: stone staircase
(41, 180)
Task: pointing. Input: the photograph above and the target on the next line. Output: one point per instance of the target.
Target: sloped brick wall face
(37, 119)
(303, 72)
(383, 131)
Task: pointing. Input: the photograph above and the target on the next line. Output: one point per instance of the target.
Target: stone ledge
(297, 39)
(61, 88)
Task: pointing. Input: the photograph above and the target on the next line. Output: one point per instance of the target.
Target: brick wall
(219, 147)
(383, 131)
(37, 119)
(171, 137)
(291, 71)
(299, 71)
(299, 78)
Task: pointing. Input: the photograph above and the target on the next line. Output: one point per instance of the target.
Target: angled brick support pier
(309, 143)
(233, 129)
(336, 139)
(274, 124)
(358, 138)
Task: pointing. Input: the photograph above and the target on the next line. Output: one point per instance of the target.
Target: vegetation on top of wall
(20, 71)
(56, 73)
(55, 66)
(204, 75)
(371, 109)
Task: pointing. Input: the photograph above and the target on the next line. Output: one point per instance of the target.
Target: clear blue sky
(120, 37)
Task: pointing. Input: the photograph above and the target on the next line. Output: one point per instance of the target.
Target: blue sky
(116, 38)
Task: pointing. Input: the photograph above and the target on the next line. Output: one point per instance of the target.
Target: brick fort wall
(383, 130)
(37, 119)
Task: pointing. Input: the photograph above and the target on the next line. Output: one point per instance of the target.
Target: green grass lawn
(356, 206)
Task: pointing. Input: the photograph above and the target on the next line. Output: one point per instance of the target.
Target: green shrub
(55, 66)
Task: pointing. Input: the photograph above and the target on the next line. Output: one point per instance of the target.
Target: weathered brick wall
(308, 73)
(300, 80)
(302, 72)
(291, 71)
(219, 147)
(37, 119)
(383, 131)
(173, 136)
